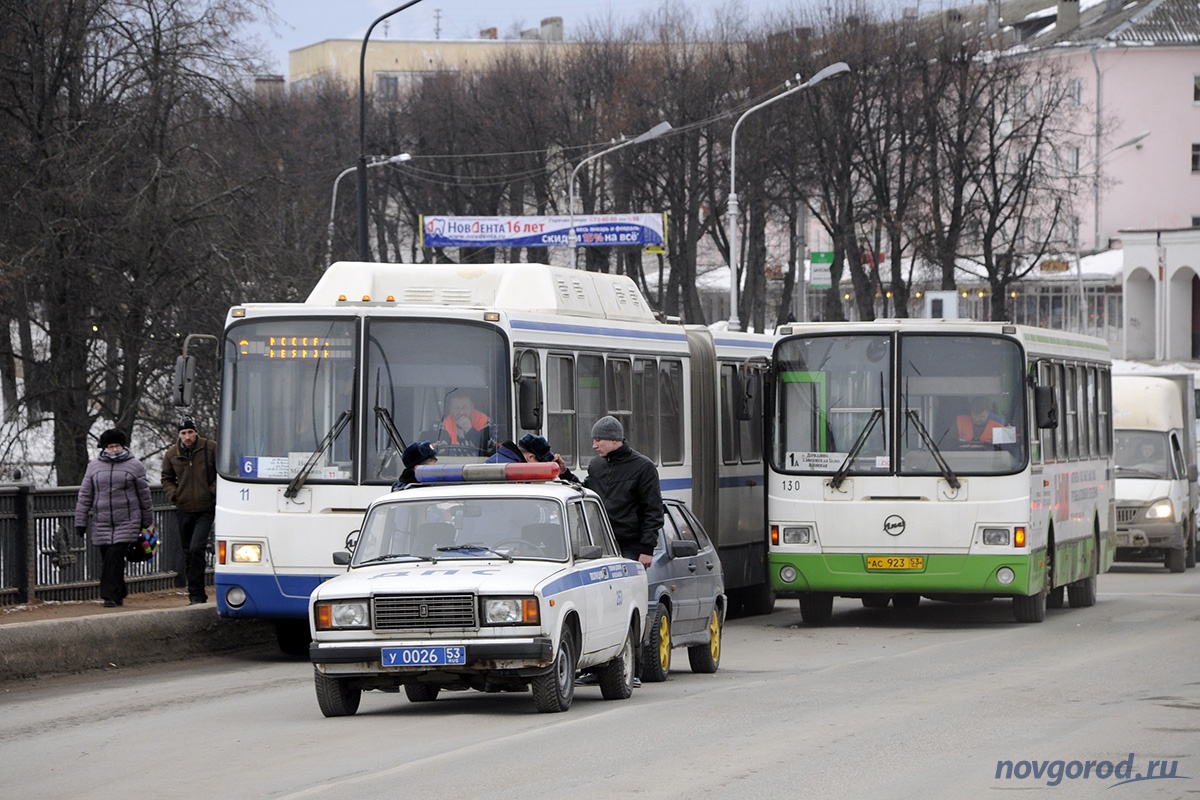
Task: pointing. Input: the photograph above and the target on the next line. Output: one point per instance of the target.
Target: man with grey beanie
(628, 483)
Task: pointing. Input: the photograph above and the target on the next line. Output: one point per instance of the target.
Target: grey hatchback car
(687, 596)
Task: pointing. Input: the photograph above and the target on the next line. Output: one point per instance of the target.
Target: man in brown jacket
(189, 477)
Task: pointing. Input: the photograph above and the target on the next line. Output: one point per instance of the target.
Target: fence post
(26, 545)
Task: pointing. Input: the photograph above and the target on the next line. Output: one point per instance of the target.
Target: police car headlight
(1161, 509)
(341, 615)
(511, 611)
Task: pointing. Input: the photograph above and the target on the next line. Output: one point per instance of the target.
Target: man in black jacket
(628, 483)
(189, 477)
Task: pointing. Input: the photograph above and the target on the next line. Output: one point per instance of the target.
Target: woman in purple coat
(116, 495)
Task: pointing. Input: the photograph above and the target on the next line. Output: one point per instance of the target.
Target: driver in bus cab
(980, 423)
(465, 430)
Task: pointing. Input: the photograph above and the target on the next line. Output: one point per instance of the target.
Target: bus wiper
(294, 486)
(859, 443)
(389, 427)
(947, 473)
(389, 557)
(448, 548)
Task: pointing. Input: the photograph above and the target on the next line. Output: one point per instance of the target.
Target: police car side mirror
(589, 551)
(683, 549)
(341, 558)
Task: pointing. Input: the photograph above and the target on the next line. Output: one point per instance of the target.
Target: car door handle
(692, 567)
(709, 565)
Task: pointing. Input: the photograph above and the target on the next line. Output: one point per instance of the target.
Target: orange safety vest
(966, 431)
(479, 421)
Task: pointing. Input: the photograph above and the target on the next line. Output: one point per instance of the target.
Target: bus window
(560, 405)
(727, 413)
(671, 414)
(590, 397)
(750, 430)
(645, 408)
(618, 385)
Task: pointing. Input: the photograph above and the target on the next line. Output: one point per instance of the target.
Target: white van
(1154, 421)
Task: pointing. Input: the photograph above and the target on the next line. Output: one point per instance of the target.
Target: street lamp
(834, 70)
(1096, 233)
(379, 162)
(364, 246)
(655, 132)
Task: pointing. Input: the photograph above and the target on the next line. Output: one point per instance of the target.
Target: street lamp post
(1096, 233)
(364, 245)
(655, 132)
(333, 201)
(832, 71)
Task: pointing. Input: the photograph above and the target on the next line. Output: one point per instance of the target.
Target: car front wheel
(335, 696)
(553, 691)
(616, 677)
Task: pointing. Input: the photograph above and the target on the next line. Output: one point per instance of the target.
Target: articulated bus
(944, 459)
(319, 399)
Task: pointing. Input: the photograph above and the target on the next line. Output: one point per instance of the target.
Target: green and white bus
(945, 459)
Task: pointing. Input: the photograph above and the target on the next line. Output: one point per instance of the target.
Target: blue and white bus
(319, 398)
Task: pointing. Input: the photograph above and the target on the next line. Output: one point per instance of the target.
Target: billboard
(591, 230)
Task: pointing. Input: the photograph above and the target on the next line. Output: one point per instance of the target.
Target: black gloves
(80, 531)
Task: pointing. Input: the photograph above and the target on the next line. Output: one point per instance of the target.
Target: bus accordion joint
(485, 473)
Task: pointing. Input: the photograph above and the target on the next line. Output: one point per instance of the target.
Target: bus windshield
(445, 382)
(960, 405)
(285, 384)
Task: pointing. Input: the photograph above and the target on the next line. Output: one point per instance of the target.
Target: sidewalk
(53, 638)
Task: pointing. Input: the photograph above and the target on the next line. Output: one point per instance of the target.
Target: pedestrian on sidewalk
(115, 498)
(189, 477)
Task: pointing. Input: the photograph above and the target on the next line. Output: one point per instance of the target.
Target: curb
(50, 647)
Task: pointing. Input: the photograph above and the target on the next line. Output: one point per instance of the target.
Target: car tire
(656, 661)
(1191, 548)
(816, 608)
(616, 677)
(1176, 559)
(1054, 597)
(705, 658)
(554, 690)
(758, 600)
(335, 696)
(421, 692)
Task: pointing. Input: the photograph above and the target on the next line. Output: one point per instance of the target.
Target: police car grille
(1126, 515)
(424, 611)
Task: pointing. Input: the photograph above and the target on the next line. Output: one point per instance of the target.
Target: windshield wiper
(448, 548)
(389, 557)
(294, 486)
(859, 443)
(947, 473)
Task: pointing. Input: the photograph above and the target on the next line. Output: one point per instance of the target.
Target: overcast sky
(305, 22)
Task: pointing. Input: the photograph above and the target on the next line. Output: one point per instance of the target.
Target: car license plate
(422, 656)
(895, 562)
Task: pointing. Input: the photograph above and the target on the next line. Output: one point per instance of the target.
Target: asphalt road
(879, 704)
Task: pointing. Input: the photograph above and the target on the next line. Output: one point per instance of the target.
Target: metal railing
(41, 558)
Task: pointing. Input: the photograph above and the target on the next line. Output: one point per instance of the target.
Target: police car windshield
(436, 529)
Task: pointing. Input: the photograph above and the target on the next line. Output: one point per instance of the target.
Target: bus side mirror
(529, 404)
(185, 374)
(1044, 407)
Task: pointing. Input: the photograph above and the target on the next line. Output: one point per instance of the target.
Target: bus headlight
(787, 574)
(342, 614)
(996, 536)
(1005, 576)
(802, 535)
(511, 611)
(1160, 509)
(244, 553)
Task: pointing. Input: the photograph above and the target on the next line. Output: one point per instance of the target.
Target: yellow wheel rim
(664, 641)
(714, 636)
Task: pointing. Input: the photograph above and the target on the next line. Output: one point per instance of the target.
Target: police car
(493, 577)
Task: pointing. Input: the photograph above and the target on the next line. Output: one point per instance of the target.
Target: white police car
(465, 582)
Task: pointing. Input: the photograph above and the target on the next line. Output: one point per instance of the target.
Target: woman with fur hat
(115, 496)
